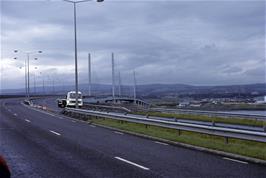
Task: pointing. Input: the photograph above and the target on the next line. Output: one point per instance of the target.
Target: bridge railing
(211, 130)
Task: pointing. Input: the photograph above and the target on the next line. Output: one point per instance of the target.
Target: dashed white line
(15, 114)
(120, 133)
(134, 164)
(235, 160)
(27, 120)
(161, 143)
(56, 133)
(92, 125)
(73, 121)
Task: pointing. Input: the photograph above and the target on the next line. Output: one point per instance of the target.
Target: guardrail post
(146, 126)
(147, 115)
(264, 128)
(175, 119)
(226, 140)
(213, 123)
(178, 132)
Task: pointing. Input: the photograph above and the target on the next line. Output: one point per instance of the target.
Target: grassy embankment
(241, 147)
(239, 121)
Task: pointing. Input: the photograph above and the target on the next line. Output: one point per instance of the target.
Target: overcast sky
(200, 43)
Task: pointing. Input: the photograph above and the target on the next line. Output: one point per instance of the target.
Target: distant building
(260, 100)
(183, 104)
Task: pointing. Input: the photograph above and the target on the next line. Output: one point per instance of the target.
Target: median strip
(235, 160)
(56, 133)
(134, 164)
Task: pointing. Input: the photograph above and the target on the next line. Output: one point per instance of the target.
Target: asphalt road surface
(37, 144)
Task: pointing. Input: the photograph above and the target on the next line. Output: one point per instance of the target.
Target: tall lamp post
(34, 80)
(27, 80)
(43, 86)
(26, 90)
(75, 36)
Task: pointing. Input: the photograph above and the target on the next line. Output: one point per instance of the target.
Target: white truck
(70, 100)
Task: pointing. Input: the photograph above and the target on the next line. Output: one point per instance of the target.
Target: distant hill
(153, 90)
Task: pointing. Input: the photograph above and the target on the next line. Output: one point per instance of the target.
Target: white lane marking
(120, 133)
(15, 114)
(161, 143)
(235, 160)
(55, 132)
(73, 121)
(134, 164)
(27, 120)
(50, 114)
(92, 125)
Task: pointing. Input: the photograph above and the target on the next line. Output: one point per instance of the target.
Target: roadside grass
(236, 121)
(237, 146)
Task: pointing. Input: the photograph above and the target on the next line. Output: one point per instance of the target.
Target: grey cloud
(167, 42)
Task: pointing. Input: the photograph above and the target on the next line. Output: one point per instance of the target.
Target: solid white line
(161, 143)
(55, 132)
(73, 121)
(120, 133)
(93, 126)
(235, 160)
(134, 164)
(27, 120)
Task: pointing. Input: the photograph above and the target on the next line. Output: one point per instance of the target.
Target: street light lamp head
(35, 58)
(100, 0)
(39, 51)
(15, 51)
(15, 58)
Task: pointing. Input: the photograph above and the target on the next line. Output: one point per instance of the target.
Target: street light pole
(25, 68)
(28, 60)
(34, 82)
(134, 88)
(76, 55)
(75, 36)
(34, 78)
(89, 72)
(113, 77)
(27, 79)
(43, 87)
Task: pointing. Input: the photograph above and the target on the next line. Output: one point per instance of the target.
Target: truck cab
(71, 99)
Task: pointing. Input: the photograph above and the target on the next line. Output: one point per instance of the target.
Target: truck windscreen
(73, 95)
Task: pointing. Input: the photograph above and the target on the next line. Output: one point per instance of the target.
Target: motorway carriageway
(37, 144)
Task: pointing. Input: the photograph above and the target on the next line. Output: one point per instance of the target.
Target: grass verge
(241, 147)
(238, 121)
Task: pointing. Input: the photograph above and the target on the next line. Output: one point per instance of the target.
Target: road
(38, 144)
